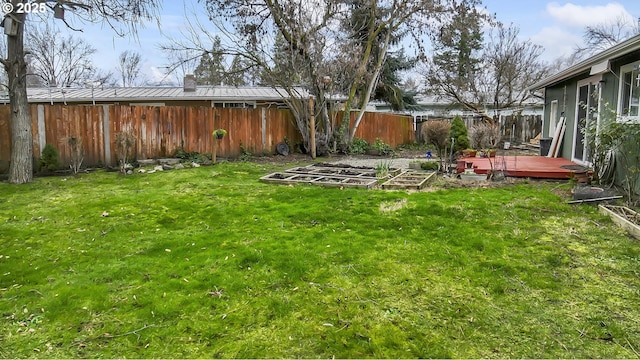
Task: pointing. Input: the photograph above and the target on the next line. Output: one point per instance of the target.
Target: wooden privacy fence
(519, 129)
(160, 130)
(393, 129)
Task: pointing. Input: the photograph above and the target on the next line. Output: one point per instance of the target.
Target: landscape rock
(179, 166)
(158, 168)
(168, 161)
(167, 167)
(147, 162)
(195, 164)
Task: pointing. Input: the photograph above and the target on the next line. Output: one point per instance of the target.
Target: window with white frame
(629, 97)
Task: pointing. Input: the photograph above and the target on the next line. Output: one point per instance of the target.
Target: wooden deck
(540, 167)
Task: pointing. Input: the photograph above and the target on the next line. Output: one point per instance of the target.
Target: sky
(557, 26)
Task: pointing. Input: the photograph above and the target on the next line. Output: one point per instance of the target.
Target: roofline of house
(36, 100)
(58, 95)
(623, 48)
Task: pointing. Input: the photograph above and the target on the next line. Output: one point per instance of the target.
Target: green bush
(460, 133)
(358, 146)
(192, 156)
(50, 160)
(430, 165)
(382, 147)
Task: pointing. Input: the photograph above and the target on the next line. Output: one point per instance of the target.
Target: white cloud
(582, 15)
(556, 41)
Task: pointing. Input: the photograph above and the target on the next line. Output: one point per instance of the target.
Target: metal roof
(630, 45)
(153, 94)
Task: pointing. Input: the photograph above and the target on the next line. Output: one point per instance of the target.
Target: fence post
(264, 129)
(42, 129)
(106, 134)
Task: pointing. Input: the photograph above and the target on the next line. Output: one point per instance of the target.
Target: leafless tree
(602, 36)
(180, 63)
(507, 66)
(314, 45)
(123, 17)
(61, 61)
(130, 66)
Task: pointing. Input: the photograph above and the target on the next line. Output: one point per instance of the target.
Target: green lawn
(209, 262)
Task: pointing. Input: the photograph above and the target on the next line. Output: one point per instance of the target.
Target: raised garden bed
(409, 180)
(323, 180)
(624, 217)
(331, 175)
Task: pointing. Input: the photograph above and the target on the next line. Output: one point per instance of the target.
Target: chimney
(189, 83)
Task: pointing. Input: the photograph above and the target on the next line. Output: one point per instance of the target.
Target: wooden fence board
(160, 131)
(393, 129)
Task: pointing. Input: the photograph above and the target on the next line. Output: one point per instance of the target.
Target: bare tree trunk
(21, 167)
(374, 80)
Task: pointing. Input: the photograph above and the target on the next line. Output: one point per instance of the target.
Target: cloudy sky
(555, 25)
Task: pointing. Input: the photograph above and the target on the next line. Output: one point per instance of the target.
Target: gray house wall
(565, 93)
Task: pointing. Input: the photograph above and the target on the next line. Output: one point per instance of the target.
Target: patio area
(540, 167)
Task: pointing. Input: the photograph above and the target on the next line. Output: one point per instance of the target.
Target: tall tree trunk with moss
(21, 167)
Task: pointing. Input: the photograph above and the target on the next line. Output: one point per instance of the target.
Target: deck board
(525, 166)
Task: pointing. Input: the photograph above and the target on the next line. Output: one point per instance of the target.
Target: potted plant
(219, 133)
(487, 153)
(469, 153)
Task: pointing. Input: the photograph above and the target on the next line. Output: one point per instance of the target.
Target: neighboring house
(430, 107)
(609, 80)
(213, 96)
(519, 123)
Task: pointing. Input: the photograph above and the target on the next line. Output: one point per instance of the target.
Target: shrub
(77, 152)
(50, 160)
(124, 144)
(358, 146)
(430, 165)
(382, 147)
(459, 133)
(484, 135)
(436, 132)
(192, 156)
(477, 136)
(246, 153)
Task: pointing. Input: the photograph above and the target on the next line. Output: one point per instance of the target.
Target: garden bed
(330, 175)
(624, 217)
(409, 180)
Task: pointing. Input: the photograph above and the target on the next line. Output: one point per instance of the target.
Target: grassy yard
(209, 262)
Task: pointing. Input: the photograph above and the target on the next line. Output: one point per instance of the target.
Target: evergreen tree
(457, 48)
(236, 74)
(391, 88)
(211, 69)
(459, 133)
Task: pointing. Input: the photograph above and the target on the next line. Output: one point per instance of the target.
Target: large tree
(484, 73)
(604, 35)
(313, 41)
(211, 69)
(130, 66)
(122, 17)
(60, 61)
(236, 74)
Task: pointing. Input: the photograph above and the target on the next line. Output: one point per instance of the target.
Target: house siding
(565, 93)
(556, 86)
